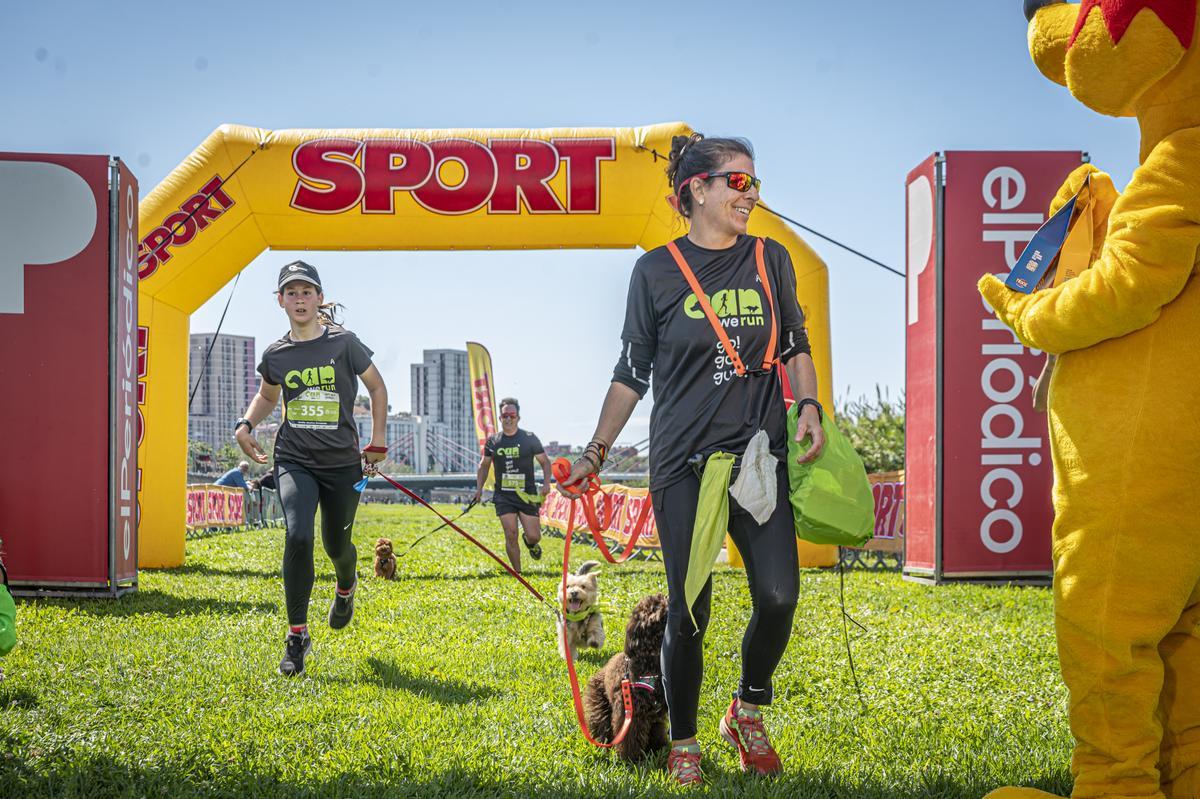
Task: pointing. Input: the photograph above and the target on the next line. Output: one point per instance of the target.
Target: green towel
(712, 521)
(8, 621)
(532, 499)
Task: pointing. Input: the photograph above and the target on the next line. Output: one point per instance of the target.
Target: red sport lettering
(506, 175)
(391, 165)
(583, 157)
(330, 180)
(524, 167)
(179, 228)
(478, 183)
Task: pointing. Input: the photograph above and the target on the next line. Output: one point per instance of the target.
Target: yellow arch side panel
(162, 456)
(220, 247)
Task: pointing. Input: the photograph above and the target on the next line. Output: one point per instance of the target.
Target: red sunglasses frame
(755, 182)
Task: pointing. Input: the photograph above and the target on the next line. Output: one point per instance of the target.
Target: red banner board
(978, 462)
(922, 387)
(68, 317)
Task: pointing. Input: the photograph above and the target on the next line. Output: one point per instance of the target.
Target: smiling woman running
(710, 398)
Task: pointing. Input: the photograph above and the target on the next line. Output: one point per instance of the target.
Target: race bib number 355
(314, 410)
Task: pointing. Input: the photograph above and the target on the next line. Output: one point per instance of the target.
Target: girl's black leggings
(301, 488)
(772, 569)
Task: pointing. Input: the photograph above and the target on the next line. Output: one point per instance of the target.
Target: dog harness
(648, 682)
(580, 615)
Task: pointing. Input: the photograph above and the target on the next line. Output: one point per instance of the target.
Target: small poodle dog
(385, 560)
(603, 707)
(581, 611)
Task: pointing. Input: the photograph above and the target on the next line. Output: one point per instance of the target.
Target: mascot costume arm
(1144, 261)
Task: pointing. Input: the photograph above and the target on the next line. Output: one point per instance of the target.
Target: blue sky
(839, 99)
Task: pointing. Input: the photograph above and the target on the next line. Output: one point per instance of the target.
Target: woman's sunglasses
(738, 181)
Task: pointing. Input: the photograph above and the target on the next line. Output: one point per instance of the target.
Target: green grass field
(448, 684)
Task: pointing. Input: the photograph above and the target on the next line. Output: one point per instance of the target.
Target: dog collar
(579, 615)
(649, 683)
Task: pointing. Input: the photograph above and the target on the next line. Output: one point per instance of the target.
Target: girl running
(316, 367)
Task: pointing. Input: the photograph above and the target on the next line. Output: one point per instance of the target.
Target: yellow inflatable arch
(246, 189)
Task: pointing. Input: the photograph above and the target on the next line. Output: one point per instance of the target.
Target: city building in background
(441, 395)
(225, 388)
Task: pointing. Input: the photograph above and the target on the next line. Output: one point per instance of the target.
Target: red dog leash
(416, 498)
(585, 491)
(596, 528)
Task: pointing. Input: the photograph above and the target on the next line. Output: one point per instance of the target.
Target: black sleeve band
(792, 343)
(634, 367)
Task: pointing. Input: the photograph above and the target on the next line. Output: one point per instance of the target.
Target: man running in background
(516, 496)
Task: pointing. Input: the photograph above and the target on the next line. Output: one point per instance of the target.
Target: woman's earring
(700, 200)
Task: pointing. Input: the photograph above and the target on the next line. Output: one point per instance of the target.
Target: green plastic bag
(831, 496)
(8, 619)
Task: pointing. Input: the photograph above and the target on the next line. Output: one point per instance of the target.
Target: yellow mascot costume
(1124, 406)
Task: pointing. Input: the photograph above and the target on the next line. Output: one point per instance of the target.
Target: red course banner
(626, 504)
(213, 506)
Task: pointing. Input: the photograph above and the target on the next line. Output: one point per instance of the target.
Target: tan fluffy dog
(385, 560)
(581, 611)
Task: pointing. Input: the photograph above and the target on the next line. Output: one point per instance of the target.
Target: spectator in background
(235, 477)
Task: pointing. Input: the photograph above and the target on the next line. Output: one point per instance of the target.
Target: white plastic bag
(756, 488)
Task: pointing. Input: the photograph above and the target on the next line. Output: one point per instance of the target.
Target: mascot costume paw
(1124, 406)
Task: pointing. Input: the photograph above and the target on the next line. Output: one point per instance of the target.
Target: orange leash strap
(561, 468)
(576, 696)
(706, 306)
(760, 264)
(417, 498)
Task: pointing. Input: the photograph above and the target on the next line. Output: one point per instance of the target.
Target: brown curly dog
(385, 561)
(604, 709)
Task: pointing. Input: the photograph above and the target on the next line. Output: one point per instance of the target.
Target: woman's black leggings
(300, 489)
(772, 569)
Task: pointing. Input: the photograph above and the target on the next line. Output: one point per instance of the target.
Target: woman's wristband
(599, 449)
(815, 404)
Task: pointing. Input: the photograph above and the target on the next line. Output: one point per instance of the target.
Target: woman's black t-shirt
(701, 405)
(319, 378)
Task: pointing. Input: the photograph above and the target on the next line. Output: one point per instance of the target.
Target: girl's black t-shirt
(701, 405)
(319, 378)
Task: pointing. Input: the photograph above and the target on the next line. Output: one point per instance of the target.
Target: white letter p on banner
(920, 238)
(47, 215)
